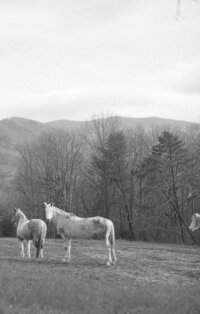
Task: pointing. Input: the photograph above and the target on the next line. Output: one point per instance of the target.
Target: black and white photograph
(99, 157)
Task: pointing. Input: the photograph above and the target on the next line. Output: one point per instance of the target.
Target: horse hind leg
(109, 260)
(114, 258)
(42, 249)
(28, 249)
(36, 246)
(44, 232)
(38, 243)
(112, 242)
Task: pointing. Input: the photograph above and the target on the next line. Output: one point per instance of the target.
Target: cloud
(71, 59)
(135, 101)
(182, 77)
(106, 10)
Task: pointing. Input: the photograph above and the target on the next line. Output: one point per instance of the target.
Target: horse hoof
(65, 260)
(108, 263)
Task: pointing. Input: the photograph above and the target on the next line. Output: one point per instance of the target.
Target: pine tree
(166, 169)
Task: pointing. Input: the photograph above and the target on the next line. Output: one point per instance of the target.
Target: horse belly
(81, 234)
(72, 231)
(82, 229)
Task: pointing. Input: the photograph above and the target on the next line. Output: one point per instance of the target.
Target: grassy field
(148, 278)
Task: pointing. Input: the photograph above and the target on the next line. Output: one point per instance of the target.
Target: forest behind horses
(143, 177)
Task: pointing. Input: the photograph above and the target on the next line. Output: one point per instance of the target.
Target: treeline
(147, 182)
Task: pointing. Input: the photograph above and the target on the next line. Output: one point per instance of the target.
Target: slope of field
(148, 278)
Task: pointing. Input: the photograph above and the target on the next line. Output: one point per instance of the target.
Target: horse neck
(57, 214)
(20, 217)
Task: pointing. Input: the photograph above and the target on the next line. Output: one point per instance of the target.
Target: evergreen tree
(166, 169)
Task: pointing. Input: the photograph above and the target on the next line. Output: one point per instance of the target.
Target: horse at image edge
(195, 223)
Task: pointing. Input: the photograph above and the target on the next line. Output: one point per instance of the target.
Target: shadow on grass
(51, 261)
(192, 274)
(15, 259)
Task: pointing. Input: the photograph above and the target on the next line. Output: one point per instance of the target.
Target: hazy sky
(71, 59)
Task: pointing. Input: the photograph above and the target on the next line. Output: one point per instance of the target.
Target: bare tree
(96, 168)
(49, 169)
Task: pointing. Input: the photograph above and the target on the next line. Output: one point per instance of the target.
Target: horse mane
(21, 212)
(63, 212)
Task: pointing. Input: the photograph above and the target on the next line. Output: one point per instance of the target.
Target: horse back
(77, 227)
(37, 227)
(31, 229)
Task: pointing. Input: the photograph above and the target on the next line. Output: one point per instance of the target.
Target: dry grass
(148, 278)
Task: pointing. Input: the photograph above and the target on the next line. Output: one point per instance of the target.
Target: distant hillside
(68, 125)
(132, 123)
(148, 123)
(18, 130)
(15, 131)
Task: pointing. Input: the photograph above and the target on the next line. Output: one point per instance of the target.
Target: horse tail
(39, 245)
(41, 238)
(112, 235)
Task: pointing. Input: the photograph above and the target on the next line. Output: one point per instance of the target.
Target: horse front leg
(22, 249)
(67, 248)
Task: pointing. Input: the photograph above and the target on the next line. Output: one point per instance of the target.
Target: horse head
(48, 211)
(195, 223)
(14, 215)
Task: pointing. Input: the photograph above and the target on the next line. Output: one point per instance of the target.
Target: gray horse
(30, 230)
(71, 226)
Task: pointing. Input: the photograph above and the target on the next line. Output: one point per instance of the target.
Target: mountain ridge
(15, 131)
(126, 122)
(25, 127)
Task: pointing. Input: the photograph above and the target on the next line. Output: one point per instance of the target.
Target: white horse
(30, 230)
(195, 223)
(71, 226)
